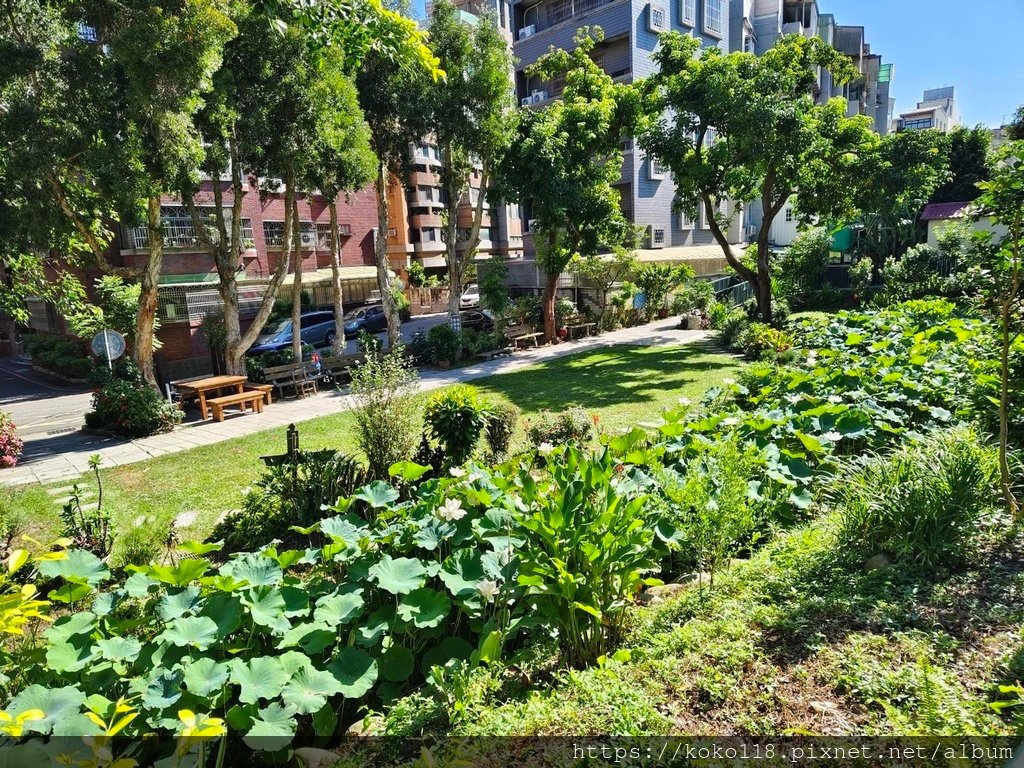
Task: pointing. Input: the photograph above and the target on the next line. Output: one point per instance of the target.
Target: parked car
(478, 319)
(470, 298)
(370, 319)
(317, 329)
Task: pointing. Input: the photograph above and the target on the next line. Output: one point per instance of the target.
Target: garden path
(51, 458)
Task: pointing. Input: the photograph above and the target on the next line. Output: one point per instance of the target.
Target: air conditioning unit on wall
(656, 236)
(526, 32)
(539, 96)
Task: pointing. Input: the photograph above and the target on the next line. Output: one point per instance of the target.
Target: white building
(937, 111)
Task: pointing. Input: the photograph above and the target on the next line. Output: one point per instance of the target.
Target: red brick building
(188, 283)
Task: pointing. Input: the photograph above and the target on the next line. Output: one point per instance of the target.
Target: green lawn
(623, 385)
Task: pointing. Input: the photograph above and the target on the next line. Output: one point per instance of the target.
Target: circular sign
(108, 344)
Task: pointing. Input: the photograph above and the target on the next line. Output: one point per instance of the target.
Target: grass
(799, 639)
(622, 385)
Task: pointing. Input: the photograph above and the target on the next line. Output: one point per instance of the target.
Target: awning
(704, 259)
(348, 274)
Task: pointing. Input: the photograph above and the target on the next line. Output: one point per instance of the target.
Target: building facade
(936, 111)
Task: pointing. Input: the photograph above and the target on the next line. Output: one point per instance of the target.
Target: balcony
(532, 38)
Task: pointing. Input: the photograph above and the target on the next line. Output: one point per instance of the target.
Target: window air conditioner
(527, 101)
(539, 96)
(525, 32)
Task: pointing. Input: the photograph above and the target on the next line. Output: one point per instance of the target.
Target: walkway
(59, 456)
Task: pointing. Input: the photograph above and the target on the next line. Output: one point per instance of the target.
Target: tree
(564, 160)
(390, 88)
(1016, 126)
(472, 119)
(743, 127)
(968, 150)
(896, 179)
(604, 270)
(1002, 202)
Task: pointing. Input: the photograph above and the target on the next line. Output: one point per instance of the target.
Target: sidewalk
(58, 457)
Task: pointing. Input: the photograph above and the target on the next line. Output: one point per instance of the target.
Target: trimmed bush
(131, 409)
(732, 325)
(386, 416)
(571, 426)
(456, 418)
(444, 344)
(502, 419)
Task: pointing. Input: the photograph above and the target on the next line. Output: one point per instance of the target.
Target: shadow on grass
(830, 596)
(612, 376)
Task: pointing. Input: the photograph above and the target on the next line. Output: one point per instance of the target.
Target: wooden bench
(300, 377)
(522, 333)
(244, 400)
(578, 322)
(266, 389)
(333, 368)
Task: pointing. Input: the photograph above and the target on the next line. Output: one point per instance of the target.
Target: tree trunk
(145, 319)
(296, 283)
(548, 303)
(234, 352)
(338, 347)
(453, 260)
(763, 286)
(380, 252)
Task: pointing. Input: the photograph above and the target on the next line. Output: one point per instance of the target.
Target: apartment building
(936, 111)
(631, 29)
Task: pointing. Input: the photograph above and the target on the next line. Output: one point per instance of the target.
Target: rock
(368, 726)
(878, 562)
(316, 758)
(824, 707)
(185, 519)
(656, 595)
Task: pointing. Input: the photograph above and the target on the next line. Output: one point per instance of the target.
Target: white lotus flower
(488, 589)
(833, 436)
(685, 401)
(545, 448)
(451, 510)
(457, 472)
(474, 476)
(794, 399)
(835, 399)
(728, 382)
(731, 421)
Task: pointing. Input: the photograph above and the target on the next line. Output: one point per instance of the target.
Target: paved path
(51, 457)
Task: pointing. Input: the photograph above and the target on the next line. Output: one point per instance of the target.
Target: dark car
(317, 328)
(477, 319)
(370, 319)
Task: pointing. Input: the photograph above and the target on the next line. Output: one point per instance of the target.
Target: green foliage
(937, 491)
(732, 326)
(758, 340)
(861, 278)
(735, 126)
(711, 499)
(456, 418)
(88, 526)
(116, 308)
(287, 496)
(494, 293)
(801, 266)
(386, 416)
(444, 343)
(502, 420)
(256, 365)
(573, 426)
(694, 296)
(915, 275)
(589, 549)
(656, 281)
(969, 164)
(65, 357)
(417, 275)
(131, 409)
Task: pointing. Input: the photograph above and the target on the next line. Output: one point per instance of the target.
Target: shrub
(588, 545)
(758, 340)
(571, 426)
(131, 409)
(456, 417)
(861, 274)
(256, 365)
(800, 267)
(11, 446)
(386, 417)
(403, 305)
(936, 492)
(87, 526)
(916, 274)
(417, 275)
(694, 296)
(136, 546)
(657, 281)
(780, 309)
(286, 496)
(502, 419)
(64, 357)
(444, 343)
(733, 326)
(717, 315)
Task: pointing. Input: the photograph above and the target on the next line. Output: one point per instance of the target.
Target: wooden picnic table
(211, 384)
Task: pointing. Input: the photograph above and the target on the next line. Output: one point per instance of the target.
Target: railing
(560, 11)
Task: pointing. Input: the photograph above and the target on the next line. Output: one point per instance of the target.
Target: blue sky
(972, 44)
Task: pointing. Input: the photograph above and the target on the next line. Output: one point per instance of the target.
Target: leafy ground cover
(621, 385)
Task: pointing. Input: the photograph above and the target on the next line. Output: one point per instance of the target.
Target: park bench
(266, 389)
(334, 368)
(578, 322)
(523, 334)
(299, 377)
(251, 400)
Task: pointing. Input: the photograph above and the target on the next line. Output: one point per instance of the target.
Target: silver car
(318, 329)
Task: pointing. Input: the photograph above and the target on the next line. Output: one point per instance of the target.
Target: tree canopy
(743, 127)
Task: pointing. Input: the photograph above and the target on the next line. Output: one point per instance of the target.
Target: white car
(470, 297)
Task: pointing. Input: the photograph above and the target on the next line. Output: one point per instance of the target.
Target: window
(713, 23)
(323, 236)
(273, 233)
(918, 125)
(86, 32)
(655, 170)
(657, 237)
(685, 221)
(431, 235)
(688, 12)
(657, 18)
(789, 214)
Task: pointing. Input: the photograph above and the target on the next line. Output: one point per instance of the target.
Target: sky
(972, 44)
